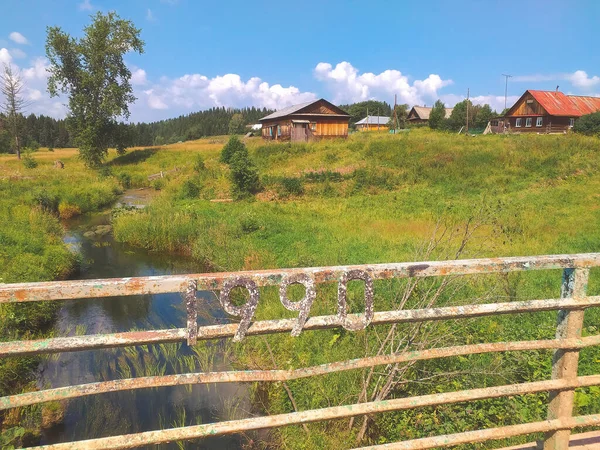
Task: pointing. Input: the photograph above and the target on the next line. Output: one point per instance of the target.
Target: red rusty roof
(558, 104)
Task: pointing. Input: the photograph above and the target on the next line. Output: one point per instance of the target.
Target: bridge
(561, 387)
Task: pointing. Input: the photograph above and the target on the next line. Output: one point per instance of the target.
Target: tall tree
(11, 86)
(237, 124)
(437, 116)
(91, 71)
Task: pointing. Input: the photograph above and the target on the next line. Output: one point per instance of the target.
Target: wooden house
(420, 114)
(372, 123)
(548, 111)
(318, 119)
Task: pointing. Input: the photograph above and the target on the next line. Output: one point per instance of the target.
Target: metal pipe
(63, 393)
(335, 412)
(78, 289)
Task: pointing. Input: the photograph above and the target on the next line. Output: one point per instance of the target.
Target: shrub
(199, 165)
(190, 188)
(249, 223)
(29, 162)
(125, 179)
(588, 124)
(46, 202)
(34, 145)
(51, 149)
(233, 146)
(66, 210)
(104, 171)
(292, 186)
(158, 184)
(244, 175)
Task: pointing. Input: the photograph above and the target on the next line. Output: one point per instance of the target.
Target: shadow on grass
(133, 157)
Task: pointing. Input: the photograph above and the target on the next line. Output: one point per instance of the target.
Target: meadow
(375, 198)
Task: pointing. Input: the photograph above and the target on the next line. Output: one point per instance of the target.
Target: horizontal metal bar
(90, 342)
(63, 290)
(63, 393)
(336, 412)
(470, 437)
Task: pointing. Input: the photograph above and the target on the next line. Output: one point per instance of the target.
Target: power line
(506, 87)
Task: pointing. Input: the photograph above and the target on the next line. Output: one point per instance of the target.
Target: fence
(567, 344)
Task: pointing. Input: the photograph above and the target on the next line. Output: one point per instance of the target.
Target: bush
(46, 202)
(124, 179)
(51, 149)
(158, 184)
(244, 175)
(104, 171)
(233, 146)
(588, 124)
(190, 188)
(199, 165)
(66, 210)
(29, 162)
(249, 223)
(292, 186)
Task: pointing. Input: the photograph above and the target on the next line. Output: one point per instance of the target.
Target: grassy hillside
(32, 203)
(383, 198)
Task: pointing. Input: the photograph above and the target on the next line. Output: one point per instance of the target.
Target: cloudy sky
(201, 54)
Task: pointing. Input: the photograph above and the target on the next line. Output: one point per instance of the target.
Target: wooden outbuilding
(420, 114)
(318, 119)
(372, 123)
(548, 111)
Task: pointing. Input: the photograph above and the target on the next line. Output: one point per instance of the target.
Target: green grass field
(372, 198)
(378, 198)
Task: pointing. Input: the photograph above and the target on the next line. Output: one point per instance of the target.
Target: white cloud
(150, 16)
(138, 77)
(348, 85)
(17, 37)
(195, 91)
(38, 71)
(18, 53)
(580, 79)
(34, 94)
(86, 5)
(5, 56)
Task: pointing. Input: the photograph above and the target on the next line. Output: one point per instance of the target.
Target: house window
(571, 121)
(539, 122)
(271, 131)
(278, 130)
(518, 122)
(528, 122)
(313, 126)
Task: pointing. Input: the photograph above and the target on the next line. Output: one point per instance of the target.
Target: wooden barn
(372, 123)
(420, 114)
(318, 119)
(548, 111)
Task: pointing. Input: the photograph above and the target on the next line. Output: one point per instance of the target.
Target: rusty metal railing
(561, 387)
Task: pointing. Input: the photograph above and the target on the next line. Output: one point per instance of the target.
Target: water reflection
(143, 410)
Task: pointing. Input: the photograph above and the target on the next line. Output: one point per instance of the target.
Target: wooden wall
(528, 109)
(325, 128)
(551, 124)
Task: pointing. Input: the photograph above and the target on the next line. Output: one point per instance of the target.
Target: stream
(143, 409)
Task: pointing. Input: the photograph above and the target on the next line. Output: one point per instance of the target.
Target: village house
(318, 119)
(372, 123)
(420, 114)
(548, 111)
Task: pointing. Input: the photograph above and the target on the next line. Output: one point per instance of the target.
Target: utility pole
(506, 87)
(467, 127)
(395, 114)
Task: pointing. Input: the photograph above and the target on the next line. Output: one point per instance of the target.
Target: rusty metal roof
(558, 104)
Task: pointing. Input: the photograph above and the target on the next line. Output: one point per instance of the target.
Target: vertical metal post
(565, 362)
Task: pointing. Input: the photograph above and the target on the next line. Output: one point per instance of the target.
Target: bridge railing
(561, 387)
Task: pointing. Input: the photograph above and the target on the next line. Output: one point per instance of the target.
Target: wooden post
(565, 362)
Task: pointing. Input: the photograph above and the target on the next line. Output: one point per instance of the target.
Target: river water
(144, 409)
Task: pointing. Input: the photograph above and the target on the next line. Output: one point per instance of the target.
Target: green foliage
(33, 145)
(291, 186)
(437, 116)
(237, 124)
(91, 71)
(233, 146)
(199, 165)
(28, 161)
(588, 124)
(479, 115)
(244, 175)
(483, 114)
(125, 179)
(190, 188)
(359, 110)
(401, 116)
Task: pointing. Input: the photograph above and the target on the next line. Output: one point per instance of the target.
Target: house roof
(423, 112)
(556, 103)
(297, 109)
(374, 120)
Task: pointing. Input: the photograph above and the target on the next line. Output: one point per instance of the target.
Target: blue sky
(239, 53)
